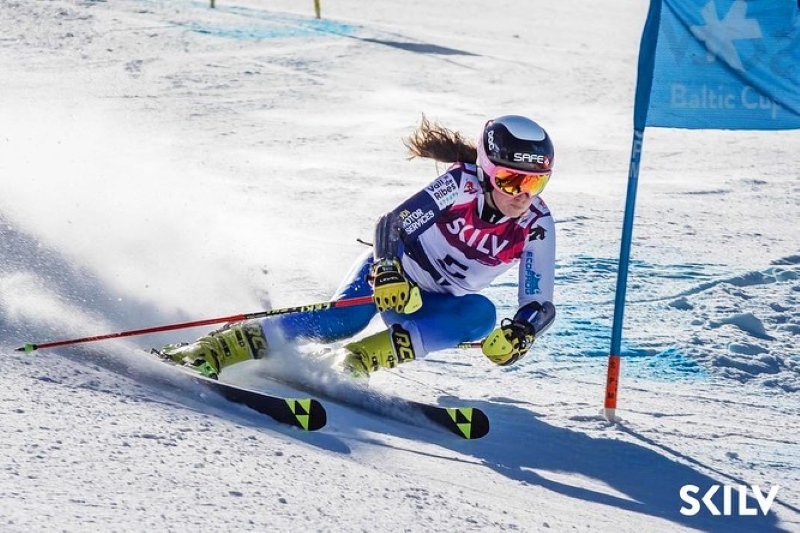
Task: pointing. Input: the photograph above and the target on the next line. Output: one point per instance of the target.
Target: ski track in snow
(162, 162)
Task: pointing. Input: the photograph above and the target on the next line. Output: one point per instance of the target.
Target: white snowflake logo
(718, 35)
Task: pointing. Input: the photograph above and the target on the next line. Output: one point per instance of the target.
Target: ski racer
(432, 256)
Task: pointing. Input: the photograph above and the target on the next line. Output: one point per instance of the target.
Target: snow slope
(161, 162)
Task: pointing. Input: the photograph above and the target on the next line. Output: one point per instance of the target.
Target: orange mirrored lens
(515, 183)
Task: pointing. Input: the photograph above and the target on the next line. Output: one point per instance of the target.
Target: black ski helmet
(516, 142)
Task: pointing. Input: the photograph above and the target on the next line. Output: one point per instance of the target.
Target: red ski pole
(346, 302)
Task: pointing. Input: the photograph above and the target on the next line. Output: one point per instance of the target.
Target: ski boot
(208, 355)
(386, 349)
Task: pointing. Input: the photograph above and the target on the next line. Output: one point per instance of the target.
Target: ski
(466, 422)
(309, 414)
(304, 413)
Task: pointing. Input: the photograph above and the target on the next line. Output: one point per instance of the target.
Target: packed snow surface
(161, 161)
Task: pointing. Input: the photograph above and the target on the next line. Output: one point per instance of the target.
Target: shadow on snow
(524, 448)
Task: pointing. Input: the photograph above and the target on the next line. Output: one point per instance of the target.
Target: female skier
(432, 256)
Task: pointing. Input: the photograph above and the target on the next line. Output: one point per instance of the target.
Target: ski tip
(309, 414)
(28, 348)
(319, 416)
(472, 423)
(469, 423)
(480, 424)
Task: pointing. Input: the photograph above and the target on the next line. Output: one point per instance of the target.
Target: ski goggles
(510, 181)
(515, 182)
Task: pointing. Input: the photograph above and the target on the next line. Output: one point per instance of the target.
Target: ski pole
(468, 345)
(346, 302)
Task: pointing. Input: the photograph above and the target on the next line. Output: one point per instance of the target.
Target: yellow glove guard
(392, 290)
(508, 343)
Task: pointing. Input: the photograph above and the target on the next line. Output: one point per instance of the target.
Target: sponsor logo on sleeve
(413, 221)
(537, 233)
(532, 279)
(443, 191)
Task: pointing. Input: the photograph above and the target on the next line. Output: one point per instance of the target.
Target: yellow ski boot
(385, 349)
(231, 344)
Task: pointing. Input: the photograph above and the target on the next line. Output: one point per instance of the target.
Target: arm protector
(388, 243)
